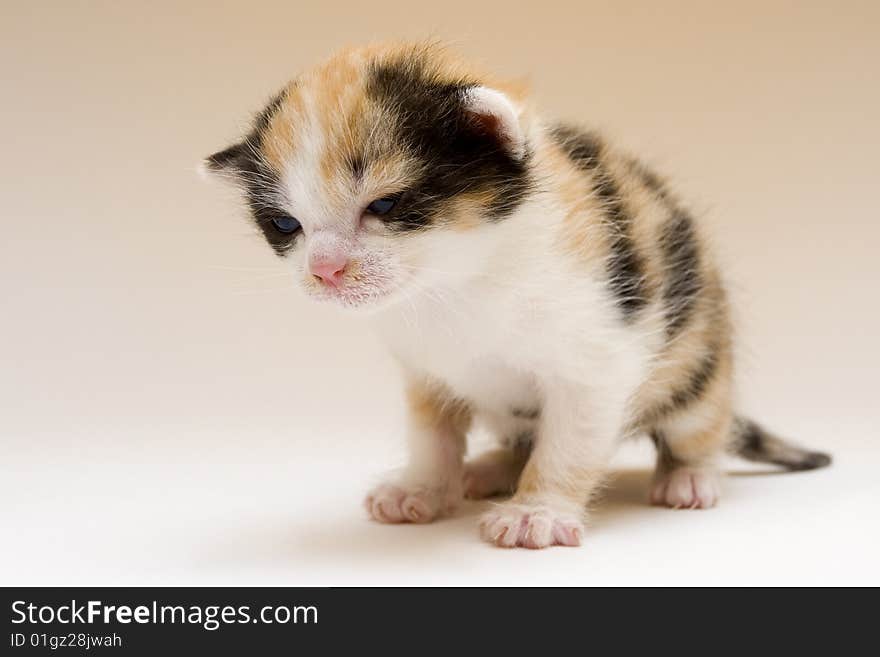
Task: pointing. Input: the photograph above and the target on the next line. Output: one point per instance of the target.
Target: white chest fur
(470, 347)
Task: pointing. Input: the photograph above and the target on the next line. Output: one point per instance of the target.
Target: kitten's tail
(754, 443)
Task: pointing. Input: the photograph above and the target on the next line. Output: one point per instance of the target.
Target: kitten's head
(378, 171)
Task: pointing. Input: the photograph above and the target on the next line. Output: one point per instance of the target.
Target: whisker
(241, 293)
(256, 269)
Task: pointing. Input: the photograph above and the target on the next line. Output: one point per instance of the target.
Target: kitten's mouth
(353, 297)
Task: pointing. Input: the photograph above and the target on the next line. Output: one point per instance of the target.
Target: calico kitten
(525, 274)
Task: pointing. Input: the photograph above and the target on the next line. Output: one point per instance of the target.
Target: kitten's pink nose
(329, 268)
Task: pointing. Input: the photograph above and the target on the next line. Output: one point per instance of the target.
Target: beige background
(172, 413)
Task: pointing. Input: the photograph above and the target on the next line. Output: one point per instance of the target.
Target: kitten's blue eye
(286, 224)
(382, 205)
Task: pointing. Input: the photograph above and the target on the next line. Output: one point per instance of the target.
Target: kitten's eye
(286, 224)
(382, 205)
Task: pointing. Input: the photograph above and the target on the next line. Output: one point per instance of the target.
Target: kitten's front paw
(393, 503)
(685, 488)
(530, 526)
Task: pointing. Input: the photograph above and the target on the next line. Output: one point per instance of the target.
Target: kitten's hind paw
(685, 488)
(489, 476)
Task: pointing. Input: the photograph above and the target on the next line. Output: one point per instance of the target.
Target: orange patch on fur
(434, 407)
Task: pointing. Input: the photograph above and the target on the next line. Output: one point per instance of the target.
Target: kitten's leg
(496, 472)
(431, 484)
(577, 436)
(689, 446)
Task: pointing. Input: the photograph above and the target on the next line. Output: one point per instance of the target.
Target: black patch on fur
(665, 458)
(356, 165)
(522, 442)
(680, 250)
(265, 116)
(526, 413)
(241, 157)
(812, 460)
(457, 153)
(680, 398)
(583, 148)
(751, 437)
(280, 242)
(260, 183)
(625, 266)
(229, 159)
(261, 191)
(755, 444)
(681, 264)
(650, 180)
(699, 380)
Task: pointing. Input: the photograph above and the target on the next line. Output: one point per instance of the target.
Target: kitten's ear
(494, 113)
(228, 162)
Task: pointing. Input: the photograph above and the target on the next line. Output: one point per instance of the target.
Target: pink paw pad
(684, 488)
(534, 527)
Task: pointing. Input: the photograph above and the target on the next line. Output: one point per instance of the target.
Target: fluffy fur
(527, 275)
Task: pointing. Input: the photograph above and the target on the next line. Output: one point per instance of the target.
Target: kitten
(522, 273)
